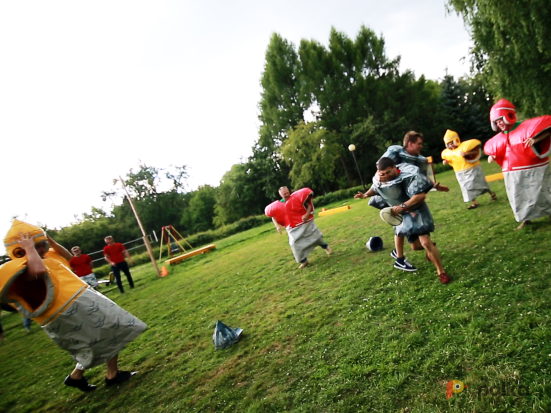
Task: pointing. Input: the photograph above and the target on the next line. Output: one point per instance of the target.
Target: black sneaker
(394, 254)
(121, 377)
(81, 384)
(406, 266)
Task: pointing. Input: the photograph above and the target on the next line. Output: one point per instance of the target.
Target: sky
(90, 89)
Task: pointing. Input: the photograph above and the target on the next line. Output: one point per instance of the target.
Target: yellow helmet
(10, 240)
(452, 136)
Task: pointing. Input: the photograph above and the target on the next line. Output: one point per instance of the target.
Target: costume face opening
(31, 291)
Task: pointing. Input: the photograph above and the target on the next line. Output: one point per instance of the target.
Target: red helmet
(503, 109)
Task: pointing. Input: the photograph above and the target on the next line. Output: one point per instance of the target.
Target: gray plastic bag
(225, 336)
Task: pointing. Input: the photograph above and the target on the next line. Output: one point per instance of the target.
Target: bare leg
(523, 224)
(77, 374)
(432, 252)
(112, 367)
(416, 246)
(399, 243)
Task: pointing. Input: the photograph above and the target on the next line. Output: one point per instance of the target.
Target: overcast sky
(89, 88)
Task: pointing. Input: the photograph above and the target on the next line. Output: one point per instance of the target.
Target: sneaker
(81, 384)
(394, 254)
(444, 278)
(406, 266)
(121, 377)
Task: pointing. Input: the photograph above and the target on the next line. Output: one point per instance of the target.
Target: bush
(340, 195)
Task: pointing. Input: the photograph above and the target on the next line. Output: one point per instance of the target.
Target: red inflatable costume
(524, 159)
(304, 236)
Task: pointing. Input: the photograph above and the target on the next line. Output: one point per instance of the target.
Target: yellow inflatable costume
(92, 328)
(464, 158)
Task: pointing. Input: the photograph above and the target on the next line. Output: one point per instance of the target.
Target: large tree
(511, 48)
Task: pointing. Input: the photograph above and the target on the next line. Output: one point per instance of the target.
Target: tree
(313, 153)
(238, 195)
(199, 216)
(512, 49)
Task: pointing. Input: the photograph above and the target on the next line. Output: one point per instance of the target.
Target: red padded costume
(295, 207)
(276, 210)
(509, 151)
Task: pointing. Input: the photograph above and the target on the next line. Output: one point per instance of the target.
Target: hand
(444, 162)
(397, 210)
(490, 159)
(441, 188)
(278, 229)
(461, 153)
(529, 142)
(360, 195)
(305, 217)
(25, 241)
(131, 263)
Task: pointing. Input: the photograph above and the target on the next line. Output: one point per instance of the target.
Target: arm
(490, 159)
(108, 259)
(35, 266)
(278, 227)
(309, 208)
(368, 194)
(413, 201)
(533, 141)
(61, 250)
(127, 255)
(471, 153)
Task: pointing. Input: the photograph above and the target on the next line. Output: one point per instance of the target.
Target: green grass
(349, 333)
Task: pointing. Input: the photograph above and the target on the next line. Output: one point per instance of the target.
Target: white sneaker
(406, 266)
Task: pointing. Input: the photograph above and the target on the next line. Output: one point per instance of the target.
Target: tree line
(318, 99)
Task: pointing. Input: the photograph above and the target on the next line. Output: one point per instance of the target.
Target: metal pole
(358, 168)
(145, 239)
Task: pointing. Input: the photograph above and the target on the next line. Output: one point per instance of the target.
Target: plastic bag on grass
(225, 336)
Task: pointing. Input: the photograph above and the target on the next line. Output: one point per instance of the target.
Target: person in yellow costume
(92, 328)
(464, 158)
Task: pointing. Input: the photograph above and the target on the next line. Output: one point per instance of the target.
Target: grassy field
(349, 333)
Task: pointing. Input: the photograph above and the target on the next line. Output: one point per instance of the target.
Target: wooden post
(145, 239)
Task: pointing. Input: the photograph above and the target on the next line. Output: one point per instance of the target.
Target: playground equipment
(172, 238)
(494, 177)
(325, 212)
(180, 258)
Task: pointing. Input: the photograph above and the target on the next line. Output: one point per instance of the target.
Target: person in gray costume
(404, 188)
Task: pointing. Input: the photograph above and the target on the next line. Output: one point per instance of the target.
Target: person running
(404, 188)
(464, 158)
(295, 212)
(522, 150)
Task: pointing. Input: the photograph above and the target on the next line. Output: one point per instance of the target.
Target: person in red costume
(295, 213)
(522, 150)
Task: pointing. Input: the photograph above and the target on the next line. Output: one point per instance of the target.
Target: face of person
(42, 248)
(109, 241)
(451, 145)
(501, 125)
(76, 251)
(387, 174)
(285, 193)
(415, 148)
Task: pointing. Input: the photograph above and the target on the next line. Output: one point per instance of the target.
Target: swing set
(173, 239)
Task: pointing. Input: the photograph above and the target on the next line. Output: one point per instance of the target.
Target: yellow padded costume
(453, 156)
